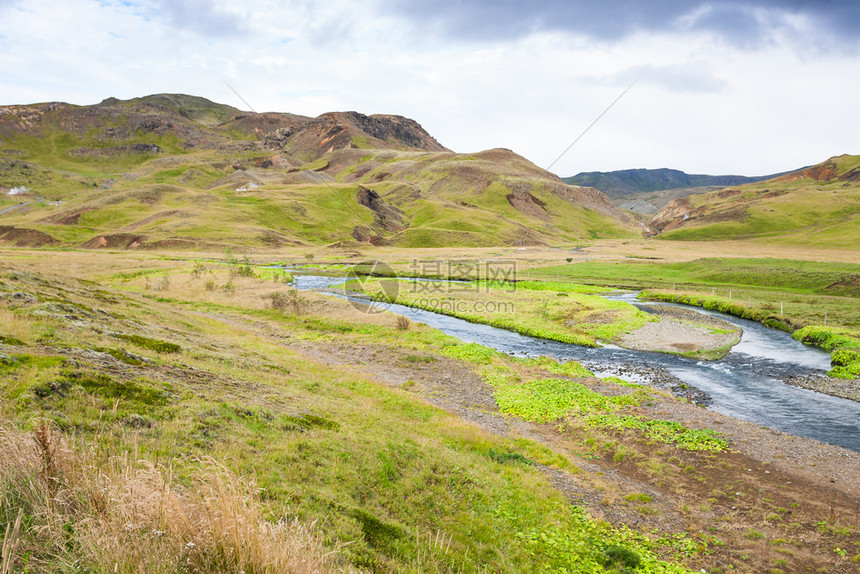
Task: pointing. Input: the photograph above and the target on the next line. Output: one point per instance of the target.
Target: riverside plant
(552, 399)
(843, 343)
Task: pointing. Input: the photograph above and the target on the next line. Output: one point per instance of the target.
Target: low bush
(290, 301)
(402, 323)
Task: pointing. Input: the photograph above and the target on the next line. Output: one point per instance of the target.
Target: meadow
(152, 394)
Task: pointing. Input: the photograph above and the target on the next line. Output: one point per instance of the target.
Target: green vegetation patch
(152, 344)
(844, 344)
(9, 340)
(471, 352)
(121, 355)
(790, 274)
(567, 368)
(558, 286)
(546, 400)
(107, 387)
(664, 431)
(579, 319)
(722, 305)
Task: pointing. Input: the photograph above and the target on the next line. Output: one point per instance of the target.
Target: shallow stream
(745, 384)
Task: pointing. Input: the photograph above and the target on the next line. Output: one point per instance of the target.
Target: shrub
(245, 269)
(197, 270)
(287, 301)
(402, 323)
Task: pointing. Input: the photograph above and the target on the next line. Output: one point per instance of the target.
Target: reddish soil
(24, 237)
(115, 241)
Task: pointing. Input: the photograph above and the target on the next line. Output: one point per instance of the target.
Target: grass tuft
(116, 514)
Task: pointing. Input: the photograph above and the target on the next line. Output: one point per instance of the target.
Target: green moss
(133, 392)
(152, 344)
(120, 355)
(9, 340)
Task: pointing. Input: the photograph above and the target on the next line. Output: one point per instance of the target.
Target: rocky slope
(172, 170)
(817, 205)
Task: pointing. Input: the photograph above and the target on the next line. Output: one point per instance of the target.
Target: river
(745, 384)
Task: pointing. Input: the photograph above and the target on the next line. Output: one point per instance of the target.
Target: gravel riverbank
(683, 331)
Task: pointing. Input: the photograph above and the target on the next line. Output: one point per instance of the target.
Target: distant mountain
(628, 182)
(179, 171)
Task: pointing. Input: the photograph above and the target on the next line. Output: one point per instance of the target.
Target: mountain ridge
(163, 170)
(627, 182)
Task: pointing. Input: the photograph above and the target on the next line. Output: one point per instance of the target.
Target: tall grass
(117, 514)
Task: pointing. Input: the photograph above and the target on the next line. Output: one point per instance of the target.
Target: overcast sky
(722, 87)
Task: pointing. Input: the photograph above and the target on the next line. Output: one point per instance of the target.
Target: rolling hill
(815, 206)
(645, 191)
(178, 171)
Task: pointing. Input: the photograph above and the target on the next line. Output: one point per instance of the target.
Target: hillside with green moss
(176, 171)
(816, 206)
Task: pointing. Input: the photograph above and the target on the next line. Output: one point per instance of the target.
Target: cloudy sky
(752, 87)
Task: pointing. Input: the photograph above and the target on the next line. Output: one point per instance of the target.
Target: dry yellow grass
(126, 515)
(102, 264)
(15, 325)
(252, 293)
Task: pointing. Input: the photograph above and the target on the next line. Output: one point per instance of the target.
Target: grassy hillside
(171, 414)
(818, 206)
(179, 171)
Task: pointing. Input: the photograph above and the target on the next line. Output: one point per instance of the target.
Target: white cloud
(702, 104)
